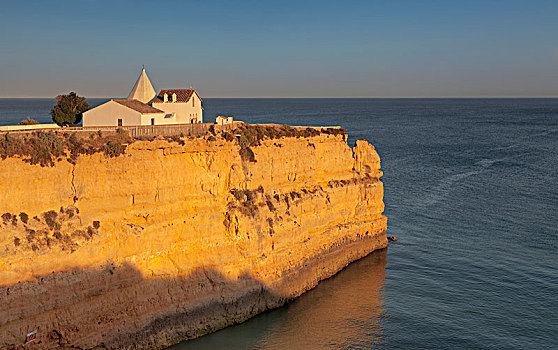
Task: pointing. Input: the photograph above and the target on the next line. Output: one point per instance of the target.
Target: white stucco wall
(178, 109)
(28, 127)
(160, 118)
(185, 112)
(108, 114)
(195, 109)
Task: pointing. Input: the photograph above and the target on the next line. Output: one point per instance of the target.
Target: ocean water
(471, 191)
(14, 110)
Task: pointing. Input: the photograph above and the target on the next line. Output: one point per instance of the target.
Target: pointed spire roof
(143, 90)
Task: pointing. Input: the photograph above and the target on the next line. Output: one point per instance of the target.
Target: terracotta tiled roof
(182, 95)
(138, 106)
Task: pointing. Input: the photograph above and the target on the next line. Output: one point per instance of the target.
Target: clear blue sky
(281, 48)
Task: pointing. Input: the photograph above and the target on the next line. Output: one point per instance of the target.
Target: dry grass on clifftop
(44, 148)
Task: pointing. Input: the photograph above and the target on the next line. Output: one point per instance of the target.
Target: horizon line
(315, 97)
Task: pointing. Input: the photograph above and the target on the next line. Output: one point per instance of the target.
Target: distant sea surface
(471, 191)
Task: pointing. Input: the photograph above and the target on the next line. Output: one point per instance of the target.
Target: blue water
(471, 191)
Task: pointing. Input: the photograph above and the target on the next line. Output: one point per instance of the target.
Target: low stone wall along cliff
(171, 239)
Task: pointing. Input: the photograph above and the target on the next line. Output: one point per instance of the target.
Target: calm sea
(471, 191)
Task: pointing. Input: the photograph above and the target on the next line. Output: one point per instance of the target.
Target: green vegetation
(251, 136)
(6, 217)
(44, 148)
(113, 149)
(24, 217)
(175, 138)
(38, 235)
(37, 148)
(247, 155)
(28, 121)
(69, 109)
(111, 144)
(270, 224)
(50, 219)
(246, 201)
(269, 204)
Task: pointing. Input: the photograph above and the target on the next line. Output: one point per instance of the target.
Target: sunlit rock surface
(169, 242)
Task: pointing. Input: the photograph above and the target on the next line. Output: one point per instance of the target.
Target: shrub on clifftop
(28, 121)
(69, 109)
(44, 148)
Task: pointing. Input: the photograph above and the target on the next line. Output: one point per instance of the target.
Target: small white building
(222, 120)
(144, 107)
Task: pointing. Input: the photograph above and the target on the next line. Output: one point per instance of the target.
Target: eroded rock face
(169, 242)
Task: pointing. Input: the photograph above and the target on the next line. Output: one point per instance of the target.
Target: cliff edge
(171, 240)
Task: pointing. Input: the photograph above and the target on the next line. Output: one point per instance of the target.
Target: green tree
(69, 109)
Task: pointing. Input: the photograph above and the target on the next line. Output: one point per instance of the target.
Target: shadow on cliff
(116, 306)
(344, 311)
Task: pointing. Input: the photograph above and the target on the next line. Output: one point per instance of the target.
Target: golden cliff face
(168, 242)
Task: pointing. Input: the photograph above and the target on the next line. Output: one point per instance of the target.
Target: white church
(145, 107)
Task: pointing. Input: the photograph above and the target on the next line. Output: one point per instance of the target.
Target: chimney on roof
(165, 97)
(174, 97)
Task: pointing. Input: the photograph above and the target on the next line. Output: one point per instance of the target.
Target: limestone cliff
(168, 241)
